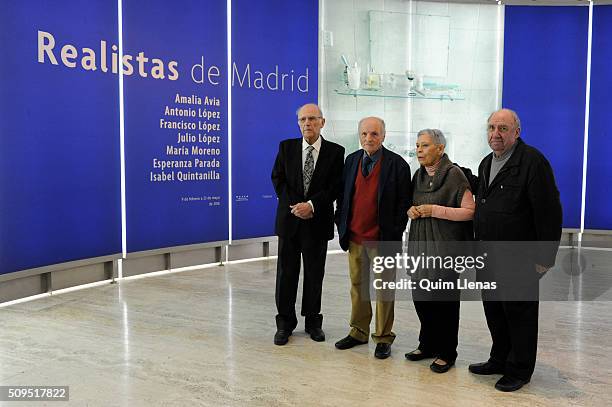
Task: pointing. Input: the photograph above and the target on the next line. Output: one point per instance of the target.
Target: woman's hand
(424, 210)
(413, 213)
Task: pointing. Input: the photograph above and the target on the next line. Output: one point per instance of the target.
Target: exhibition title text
(90, 59)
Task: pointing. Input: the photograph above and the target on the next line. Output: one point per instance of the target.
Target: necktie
(366, 164)
(308, 169)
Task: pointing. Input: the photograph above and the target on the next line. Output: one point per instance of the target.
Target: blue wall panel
(59, 134)
(176, 177)
(545, 62)
(598, 204)
(275, 38)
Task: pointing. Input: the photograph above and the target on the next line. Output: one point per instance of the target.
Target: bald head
(309, 105)
(311, 121)
(511, 112)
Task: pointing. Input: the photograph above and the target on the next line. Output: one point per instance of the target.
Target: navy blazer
(394, 196)
(287, 177)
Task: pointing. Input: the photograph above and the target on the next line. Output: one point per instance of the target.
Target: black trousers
(514, 331)
(439, 328)
(313, 253)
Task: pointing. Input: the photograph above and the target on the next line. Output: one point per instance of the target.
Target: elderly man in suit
(307, 177)
(517, 200)
(372, 206)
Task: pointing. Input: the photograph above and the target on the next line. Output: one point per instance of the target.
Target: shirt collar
(374, 157)
(316, 144)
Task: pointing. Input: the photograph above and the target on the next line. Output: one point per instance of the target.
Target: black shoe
(507, 383)
(316, 334)
(441, 368)
(486, 368)
(383, 350)
(348, 342)
(417, 355)
(281, 337)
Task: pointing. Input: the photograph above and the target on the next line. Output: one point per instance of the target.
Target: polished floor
(204, 337)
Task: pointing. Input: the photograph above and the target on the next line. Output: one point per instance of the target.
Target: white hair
(381, 121)
(435, 134)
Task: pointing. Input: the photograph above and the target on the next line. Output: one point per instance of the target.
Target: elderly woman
(443, 207)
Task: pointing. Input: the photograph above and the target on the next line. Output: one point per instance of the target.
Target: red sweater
(364, 219)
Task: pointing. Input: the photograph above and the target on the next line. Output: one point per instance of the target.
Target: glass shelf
(436, 93)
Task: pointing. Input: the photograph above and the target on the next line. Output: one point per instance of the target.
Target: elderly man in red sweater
(372, 207)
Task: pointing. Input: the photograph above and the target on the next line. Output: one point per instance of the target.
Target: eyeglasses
(309, 119)
(502, 127)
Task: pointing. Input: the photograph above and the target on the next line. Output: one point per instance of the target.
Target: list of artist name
(192, 152)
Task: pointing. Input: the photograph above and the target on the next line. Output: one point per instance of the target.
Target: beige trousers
(360, 258)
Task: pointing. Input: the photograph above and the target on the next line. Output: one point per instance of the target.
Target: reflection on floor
(204, 337)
